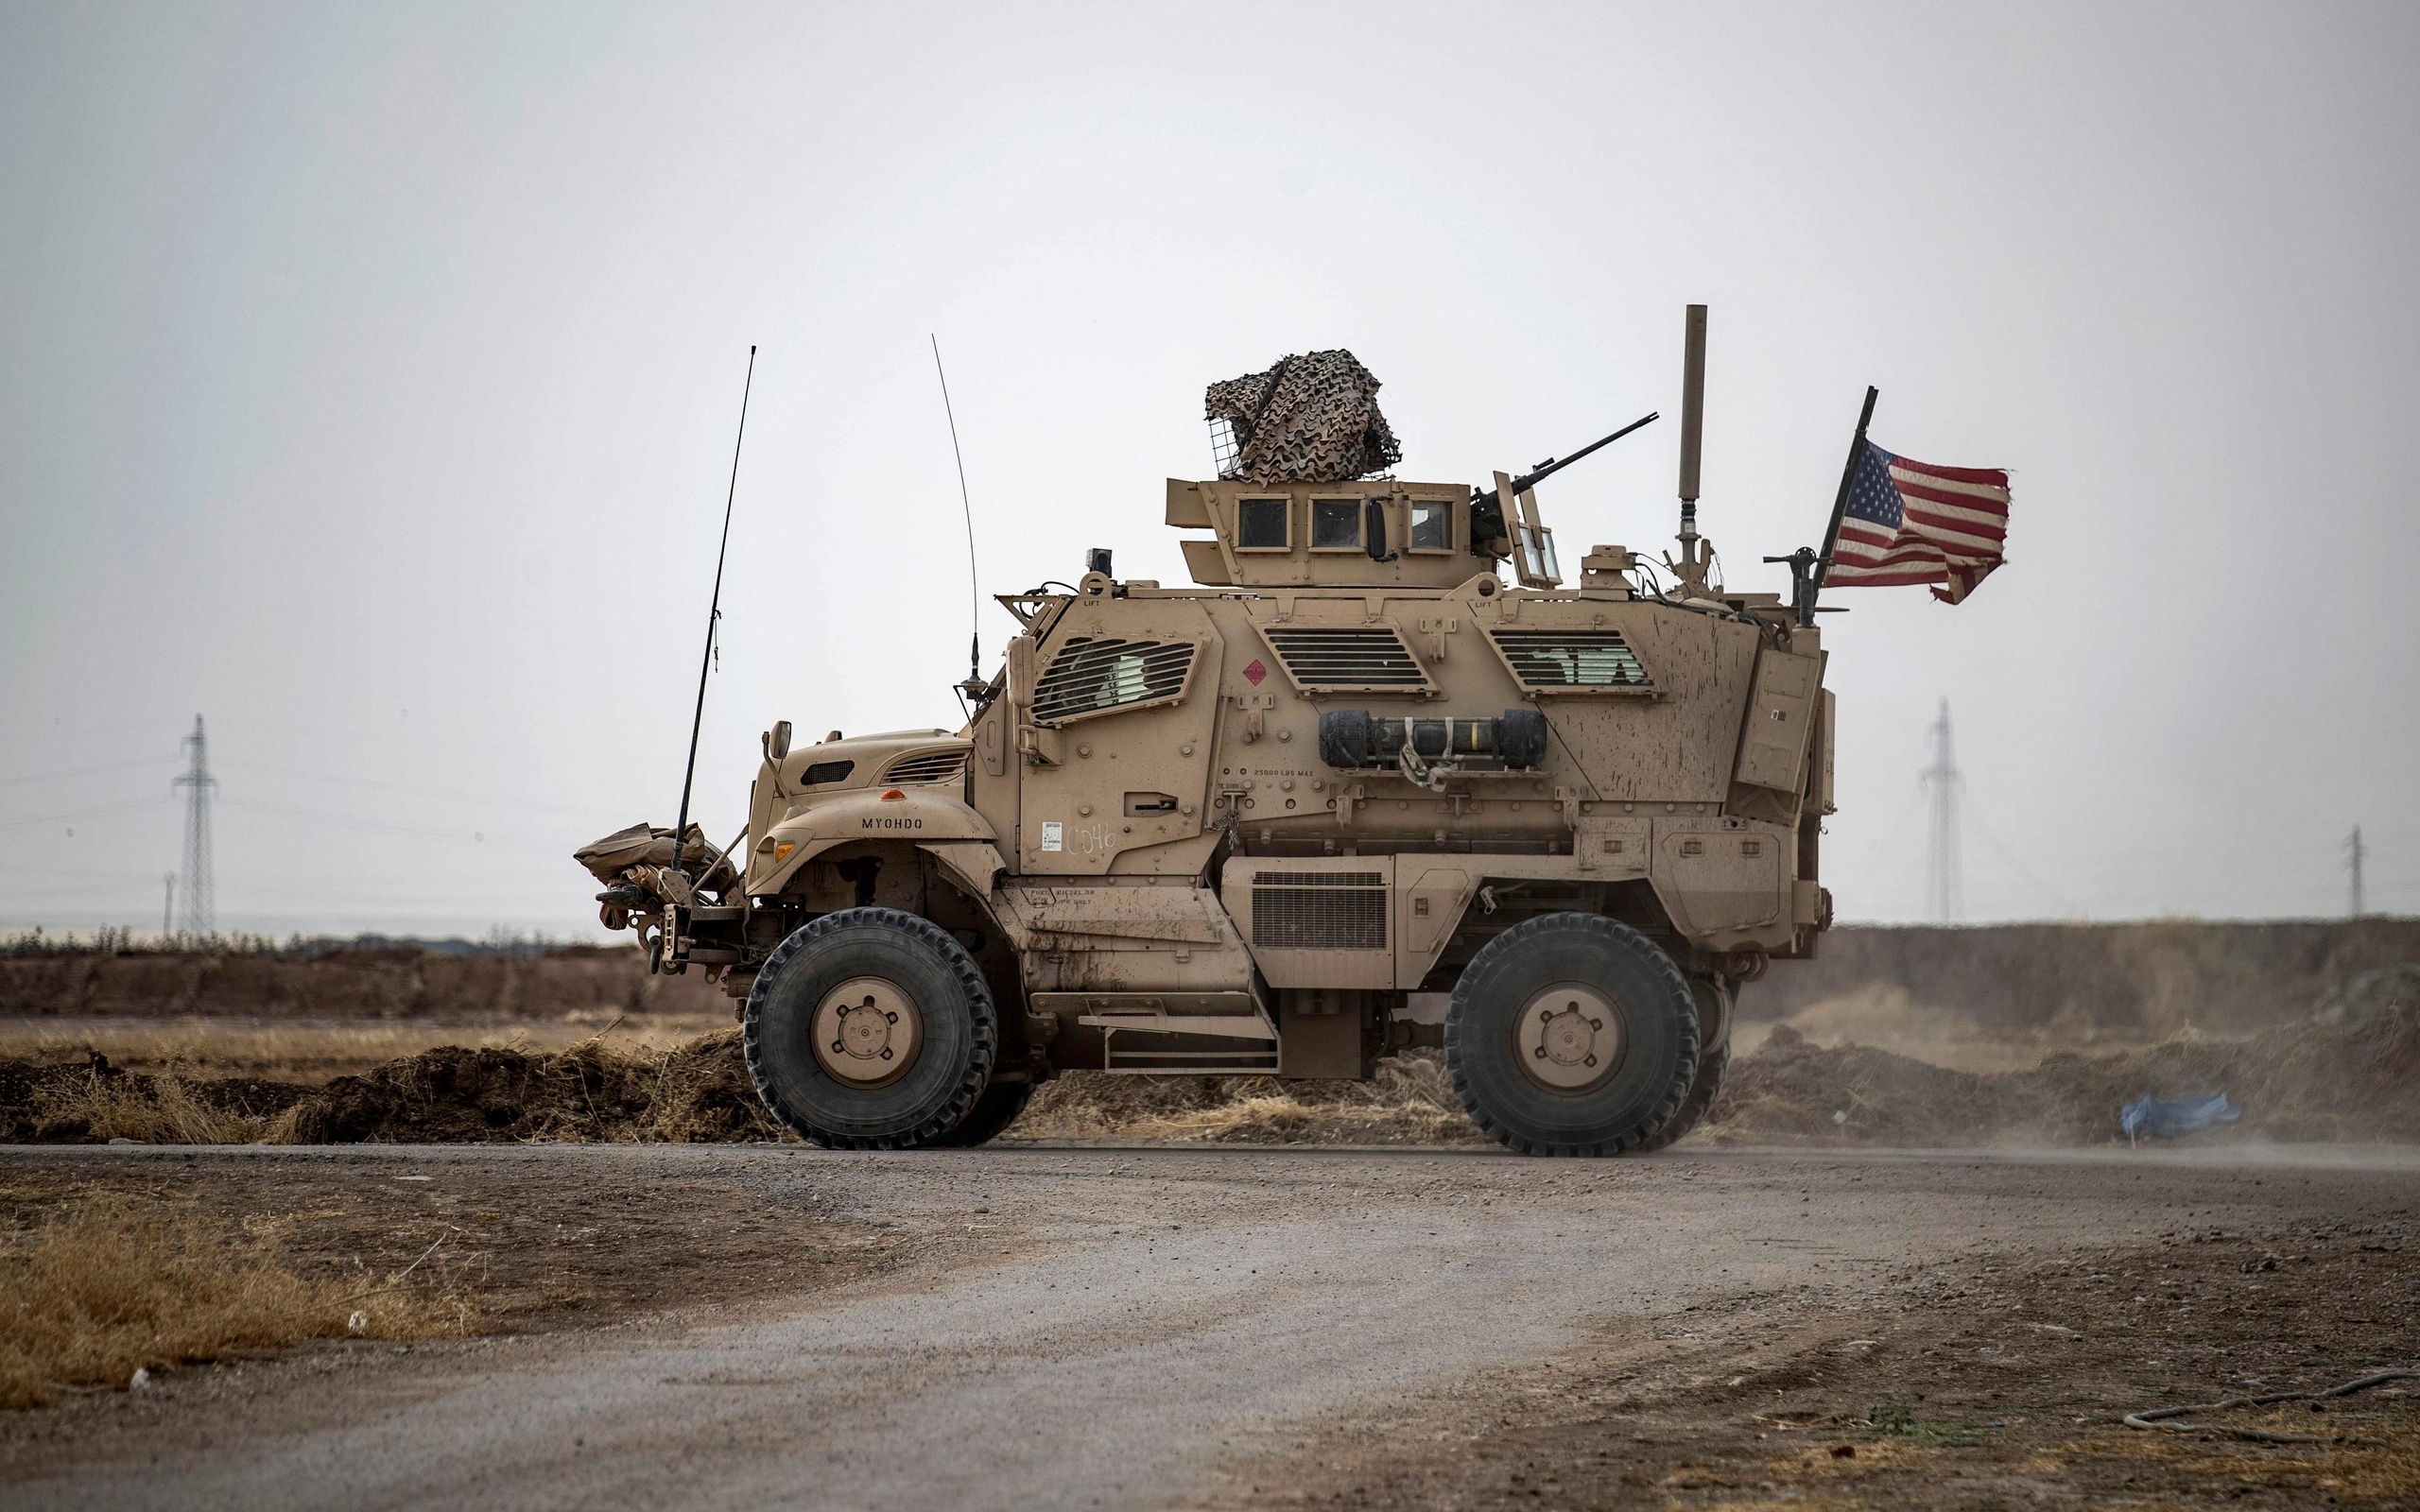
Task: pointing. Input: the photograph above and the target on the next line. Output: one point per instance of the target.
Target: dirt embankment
(386, 982)
(2353, 1081)
(2077, 980)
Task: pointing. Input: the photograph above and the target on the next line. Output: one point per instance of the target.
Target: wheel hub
(1570, 1037)
(867, 1032)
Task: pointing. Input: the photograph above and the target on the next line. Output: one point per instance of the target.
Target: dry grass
(1408, 1100)
(107, 1288)
(162, 1111)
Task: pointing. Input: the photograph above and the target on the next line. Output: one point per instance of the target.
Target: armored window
(1538, 566)
(1572, 660)
(1336, 525)
(1097, 676)
(1432, 525)
(827, 772)
(1261, 524)
(1367, 659)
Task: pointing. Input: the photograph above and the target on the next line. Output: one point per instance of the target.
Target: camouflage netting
(1311, 418)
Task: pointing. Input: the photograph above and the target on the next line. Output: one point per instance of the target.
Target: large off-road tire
(992, 1112)
(1714, 1070)
(1715, 1004)
(870, 1029)
(1571, 1034)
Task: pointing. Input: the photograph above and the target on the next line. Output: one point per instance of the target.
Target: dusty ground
(1156, 1326)
(1983, 1383)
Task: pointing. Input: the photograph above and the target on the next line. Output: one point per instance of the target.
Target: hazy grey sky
(368, 375)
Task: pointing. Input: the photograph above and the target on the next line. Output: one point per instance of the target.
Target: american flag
(1914, 522)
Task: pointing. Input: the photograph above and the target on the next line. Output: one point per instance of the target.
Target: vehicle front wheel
(870, 1029)
(1571, 1034)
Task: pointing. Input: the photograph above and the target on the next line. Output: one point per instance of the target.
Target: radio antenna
(973, 687)
(714, 615)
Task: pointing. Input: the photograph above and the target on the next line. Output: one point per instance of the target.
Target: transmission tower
(198, 917)
(1943, 874)
(2354, 845)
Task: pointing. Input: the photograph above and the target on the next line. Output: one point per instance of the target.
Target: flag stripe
(1996, 476)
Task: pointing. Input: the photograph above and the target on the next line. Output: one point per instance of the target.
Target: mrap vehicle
(1274, 821)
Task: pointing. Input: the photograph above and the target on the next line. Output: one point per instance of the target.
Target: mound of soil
(451, 1095)
(392, 982)
(2302, 1083)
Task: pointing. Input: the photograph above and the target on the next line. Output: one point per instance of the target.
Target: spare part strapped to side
(1273, 822)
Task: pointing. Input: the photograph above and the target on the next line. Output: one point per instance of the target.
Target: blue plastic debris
(2168, 1118)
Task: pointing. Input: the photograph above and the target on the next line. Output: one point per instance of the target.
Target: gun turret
(1488, 523)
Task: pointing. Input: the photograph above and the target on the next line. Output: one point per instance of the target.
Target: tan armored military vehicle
(1349, 790)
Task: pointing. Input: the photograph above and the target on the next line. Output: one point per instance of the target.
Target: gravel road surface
(1100, 1326)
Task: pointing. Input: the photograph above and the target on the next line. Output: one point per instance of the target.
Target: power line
(406, 787)
(98, 811)
(85, 771)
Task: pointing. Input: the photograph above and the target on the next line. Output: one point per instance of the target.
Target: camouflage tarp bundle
(1311, 418)
(642, 856)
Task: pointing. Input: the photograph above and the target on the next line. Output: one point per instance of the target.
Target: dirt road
(1153, 1327)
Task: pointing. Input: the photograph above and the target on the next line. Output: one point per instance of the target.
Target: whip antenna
(714, 615)
(973, 687)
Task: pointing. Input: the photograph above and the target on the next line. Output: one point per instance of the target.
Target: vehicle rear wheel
(870, 1029)
(991, 1115)
(1705, 1088)
(1714, 1002)
(1571, 1034)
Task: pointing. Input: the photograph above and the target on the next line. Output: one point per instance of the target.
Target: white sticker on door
(1053, 835)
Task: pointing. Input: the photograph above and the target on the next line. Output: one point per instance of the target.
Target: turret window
(1261, 524)
(1336, 525)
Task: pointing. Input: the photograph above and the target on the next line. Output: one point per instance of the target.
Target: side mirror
(777, 741)
(1373, 530)
(1021, 676)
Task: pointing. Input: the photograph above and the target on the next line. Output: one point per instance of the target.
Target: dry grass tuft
(108, 1288)
(154, 1111)
(1408, 1100)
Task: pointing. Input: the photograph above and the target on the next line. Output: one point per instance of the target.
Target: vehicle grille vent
(1571, 661)
(927, 767)
(1097, 676)
(1319, 910)
(1371, 659)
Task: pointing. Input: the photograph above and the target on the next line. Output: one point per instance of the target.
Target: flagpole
(1840, 504)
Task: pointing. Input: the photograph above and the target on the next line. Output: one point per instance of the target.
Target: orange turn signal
(893, 795)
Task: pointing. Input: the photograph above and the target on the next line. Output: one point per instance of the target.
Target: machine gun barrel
(1487, 517)
(1555, 464)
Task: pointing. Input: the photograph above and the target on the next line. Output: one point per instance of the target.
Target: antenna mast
(199, 920)
(1691, 568)
(714, 615)
(973, 687)
(1944, 879)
